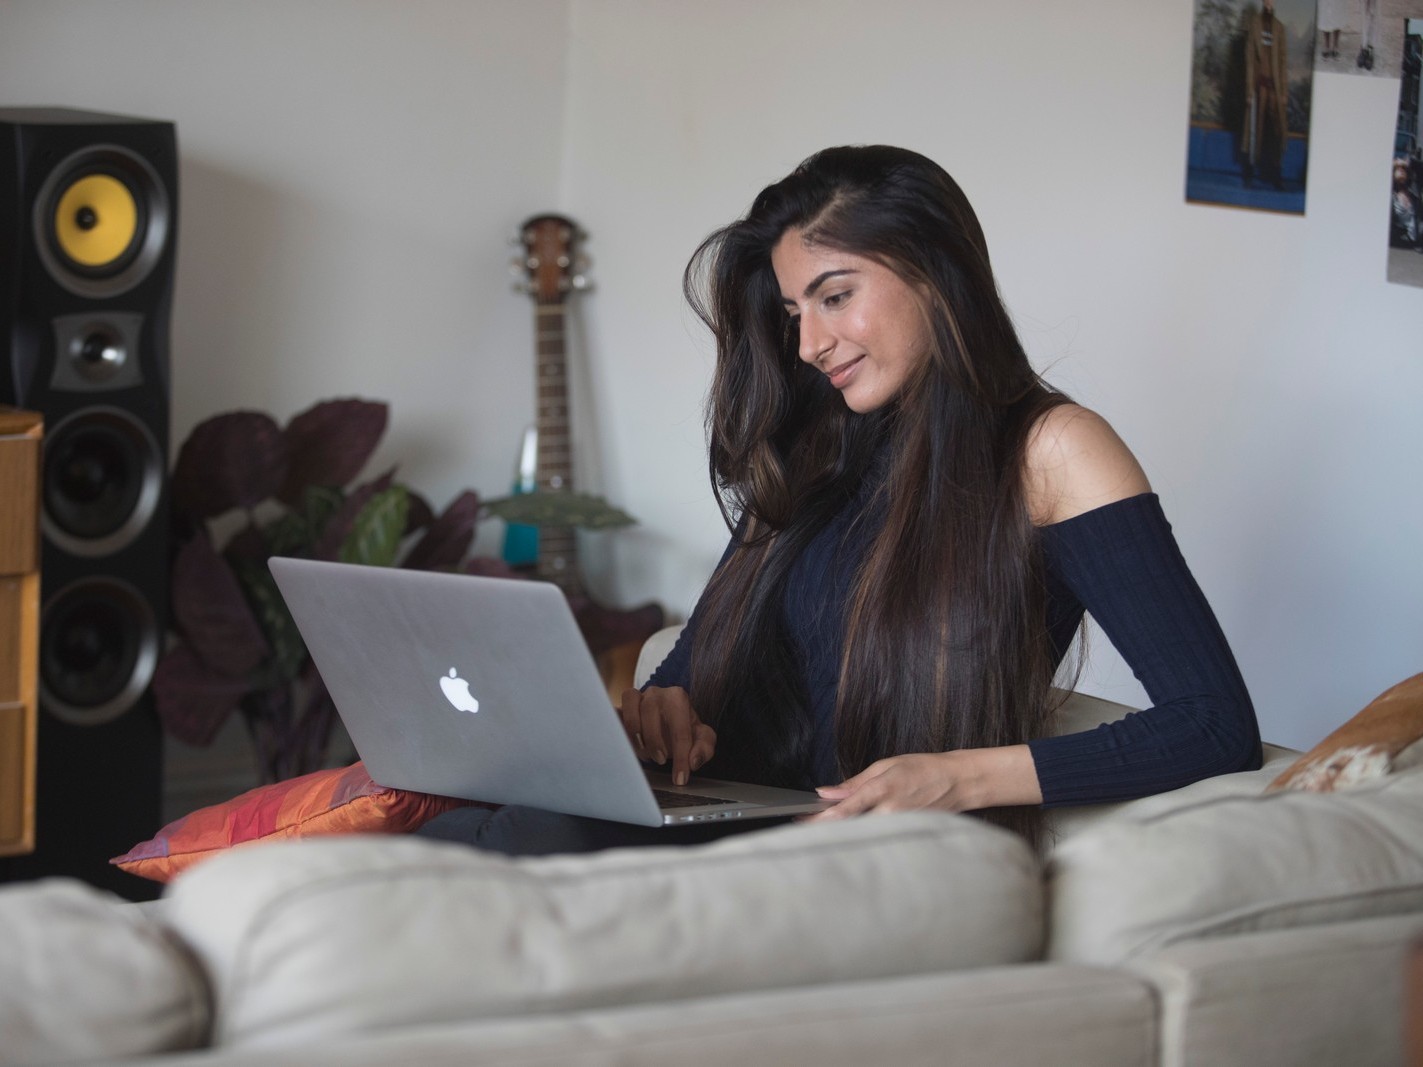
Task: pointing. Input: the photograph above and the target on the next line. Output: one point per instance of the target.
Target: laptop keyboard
(667, 799)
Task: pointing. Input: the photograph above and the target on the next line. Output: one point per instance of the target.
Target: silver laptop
(483, 688)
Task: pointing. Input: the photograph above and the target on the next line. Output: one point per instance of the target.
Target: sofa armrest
(86, 976)
(1341, 987)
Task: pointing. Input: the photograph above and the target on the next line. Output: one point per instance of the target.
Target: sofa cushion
(1156, 873)
(303, 940)
(86, 976)
(1024, 1015)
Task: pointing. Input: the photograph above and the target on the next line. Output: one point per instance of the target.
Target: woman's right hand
(663, 726)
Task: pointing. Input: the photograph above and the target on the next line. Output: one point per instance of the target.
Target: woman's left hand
(963, 780)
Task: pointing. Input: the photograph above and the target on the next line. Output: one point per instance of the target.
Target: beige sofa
(1215, 925)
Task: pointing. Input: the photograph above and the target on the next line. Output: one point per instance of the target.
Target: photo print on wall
(1252, 76)
(1405, 209)
(1363, 36)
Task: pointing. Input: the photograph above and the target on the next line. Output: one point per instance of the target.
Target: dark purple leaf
(229, 461)
(420, 514)
(330, 443)
(212, 614)
(193, 700)
(449, 537)
(338, 527)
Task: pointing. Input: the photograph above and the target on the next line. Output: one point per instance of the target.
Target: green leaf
(545, 507)
(288, 535)
(319, 503)
(375, 536)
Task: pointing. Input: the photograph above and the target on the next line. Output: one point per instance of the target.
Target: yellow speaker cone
(95, 220)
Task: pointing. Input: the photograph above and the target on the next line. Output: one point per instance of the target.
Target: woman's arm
(1123, 564)
(1114, 549)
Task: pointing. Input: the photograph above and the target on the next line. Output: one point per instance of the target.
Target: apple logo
(457, 692)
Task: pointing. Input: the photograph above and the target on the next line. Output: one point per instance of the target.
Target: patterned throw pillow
(1382, 738)
(342, 800)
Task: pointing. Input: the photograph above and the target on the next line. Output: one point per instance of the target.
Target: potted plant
(245, 489)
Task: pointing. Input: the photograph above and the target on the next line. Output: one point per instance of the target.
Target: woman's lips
(840, 375)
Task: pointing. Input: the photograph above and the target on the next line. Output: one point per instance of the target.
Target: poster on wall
(1363, 36)
(1252, 75)
(1405, 210)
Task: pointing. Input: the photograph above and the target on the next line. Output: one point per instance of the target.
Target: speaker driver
(101, 221)
(103, 477)
(96, 222)
(99, 645)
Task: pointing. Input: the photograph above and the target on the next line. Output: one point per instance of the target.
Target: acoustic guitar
(552, 263)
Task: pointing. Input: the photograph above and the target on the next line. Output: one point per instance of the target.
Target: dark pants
(520, 831)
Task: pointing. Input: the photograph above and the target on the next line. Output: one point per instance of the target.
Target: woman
(919, 523)
(922, 522)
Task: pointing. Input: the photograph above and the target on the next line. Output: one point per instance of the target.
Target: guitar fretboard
(553, 470)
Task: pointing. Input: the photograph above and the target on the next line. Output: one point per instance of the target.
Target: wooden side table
(20, 435)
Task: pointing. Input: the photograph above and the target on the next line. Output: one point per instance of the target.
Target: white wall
(1263, 370)
(350, 169)
(350, 172)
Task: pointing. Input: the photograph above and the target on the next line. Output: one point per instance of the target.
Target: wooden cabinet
(20, 437)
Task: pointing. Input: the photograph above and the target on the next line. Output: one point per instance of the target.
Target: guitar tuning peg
(516, 240)
(516, 268)
(582, 263)
(563, 262)
(580, 281)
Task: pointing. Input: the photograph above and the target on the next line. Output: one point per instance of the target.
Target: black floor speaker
(88, 228)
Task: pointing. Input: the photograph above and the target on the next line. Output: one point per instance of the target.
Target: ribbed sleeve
(1122, 562)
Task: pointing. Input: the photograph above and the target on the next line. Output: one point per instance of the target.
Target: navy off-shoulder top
(1119, 562)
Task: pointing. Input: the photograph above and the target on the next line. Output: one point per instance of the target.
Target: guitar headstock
(552, 265)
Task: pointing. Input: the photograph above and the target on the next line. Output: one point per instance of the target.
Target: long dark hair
(945, 643)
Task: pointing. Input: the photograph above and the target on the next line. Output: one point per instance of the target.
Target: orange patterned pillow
(1367, 747)
(342, 800)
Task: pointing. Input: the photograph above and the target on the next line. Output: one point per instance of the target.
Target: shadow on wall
(231, 302)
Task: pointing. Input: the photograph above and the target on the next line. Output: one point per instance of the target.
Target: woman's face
(860, 323)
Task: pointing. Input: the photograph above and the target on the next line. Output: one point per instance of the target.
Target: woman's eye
(836, 299)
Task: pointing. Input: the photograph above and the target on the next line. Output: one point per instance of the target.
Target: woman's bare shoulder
(1076, 462)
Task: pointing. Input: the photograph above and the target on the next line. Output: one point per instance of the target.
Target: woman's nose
(814, 341)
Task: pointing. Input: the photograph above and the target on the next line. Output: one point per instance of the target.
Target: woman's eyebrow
(816, 282)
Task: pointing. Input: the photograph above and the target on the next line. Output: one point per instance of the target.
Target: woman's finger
(630, 714)
(677, 728)
(703, 745)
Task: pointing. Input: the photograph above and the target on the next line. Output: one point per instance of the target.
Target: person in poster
(1266, 90)
(1251, 85)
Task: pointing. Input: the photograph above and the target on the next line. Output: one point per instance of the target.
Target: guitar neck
(553, 468)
